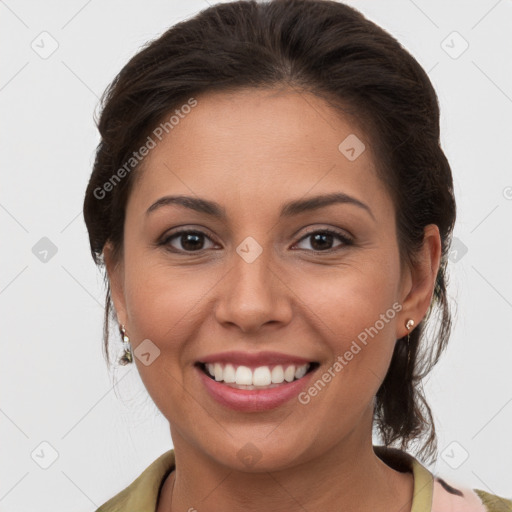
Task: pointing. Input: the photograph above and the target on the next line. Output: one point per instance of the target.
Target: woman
(274, 212)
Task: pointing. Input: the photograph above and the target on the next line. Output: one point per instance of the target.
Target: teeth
(243, 375)
(261, 376)
(217, 372)
(277, 374)
(289, 373)
(300, 372)
(229, 374)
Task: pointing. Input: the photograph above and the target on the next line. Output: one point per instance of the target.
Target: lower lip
(253, 400)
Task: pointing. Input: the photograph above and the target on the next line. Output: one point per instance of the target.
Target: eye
(194, 241)
(190, 241)
(321, 240)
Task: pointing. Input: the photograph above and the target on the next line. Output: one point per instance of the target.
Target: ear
(115, 273)
(419, 279)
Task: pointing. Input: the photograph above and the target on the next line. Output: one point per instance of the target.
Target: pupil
(187, 238)
(320, 237)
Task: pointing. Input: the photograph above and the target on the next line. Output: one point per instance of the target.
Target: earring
(127, 357)
(409, 325)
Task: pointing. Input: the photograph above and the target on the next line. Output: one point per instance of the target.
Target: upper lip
(254, 358)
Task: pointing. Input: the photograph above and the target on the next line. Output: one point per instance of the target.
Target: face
(258, 283)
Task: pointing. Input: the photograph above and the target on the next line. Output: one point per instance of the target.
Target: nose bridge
(252, 276)
(252, 267)
(252, 294)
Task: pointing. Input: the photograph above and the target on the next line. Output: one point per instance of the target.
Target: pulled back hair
(331, 50)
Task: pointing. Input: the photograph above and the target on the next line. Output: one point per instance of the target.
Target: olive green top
(431, 494)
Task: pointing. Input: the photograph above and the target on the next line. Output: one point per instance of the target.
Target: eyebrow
(289, 209)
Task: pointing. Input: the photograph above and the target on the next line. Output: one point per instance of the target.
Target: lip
(253, 400)
(254, 359)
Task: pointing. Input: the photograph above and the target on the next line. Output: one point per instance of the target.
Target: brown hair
(331, 50)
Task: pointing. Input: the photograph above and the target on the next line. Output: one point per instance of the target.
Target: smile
(254, 382)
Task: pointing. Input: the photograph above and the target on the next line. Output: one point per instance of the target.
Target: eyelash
(344, 238)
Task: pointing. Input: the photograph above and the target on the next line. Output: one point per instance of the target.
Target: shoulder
(142, 494)
(457, 498)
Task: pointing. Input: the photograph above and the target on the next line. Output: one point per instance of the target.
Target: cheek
(355, 312)
(350, 298)
(163, 305)
(163, 302)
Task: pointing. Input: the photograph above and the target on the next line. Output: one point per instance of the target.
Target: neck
(348, 476)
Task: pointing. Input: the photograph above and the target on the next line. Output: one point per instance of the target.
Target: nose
(252, 295)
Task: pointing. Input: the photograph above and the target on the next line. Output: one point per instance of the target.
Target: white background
(54, 382)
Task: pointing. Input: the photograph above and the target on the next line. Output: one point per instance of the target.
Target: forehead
(273, 144)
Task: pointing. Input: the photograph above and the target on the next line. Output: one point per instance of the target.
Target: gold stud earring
(409, 325)
(127, 356)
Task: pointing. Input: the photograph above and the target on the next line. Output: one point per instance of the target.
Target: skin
(251, 151)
